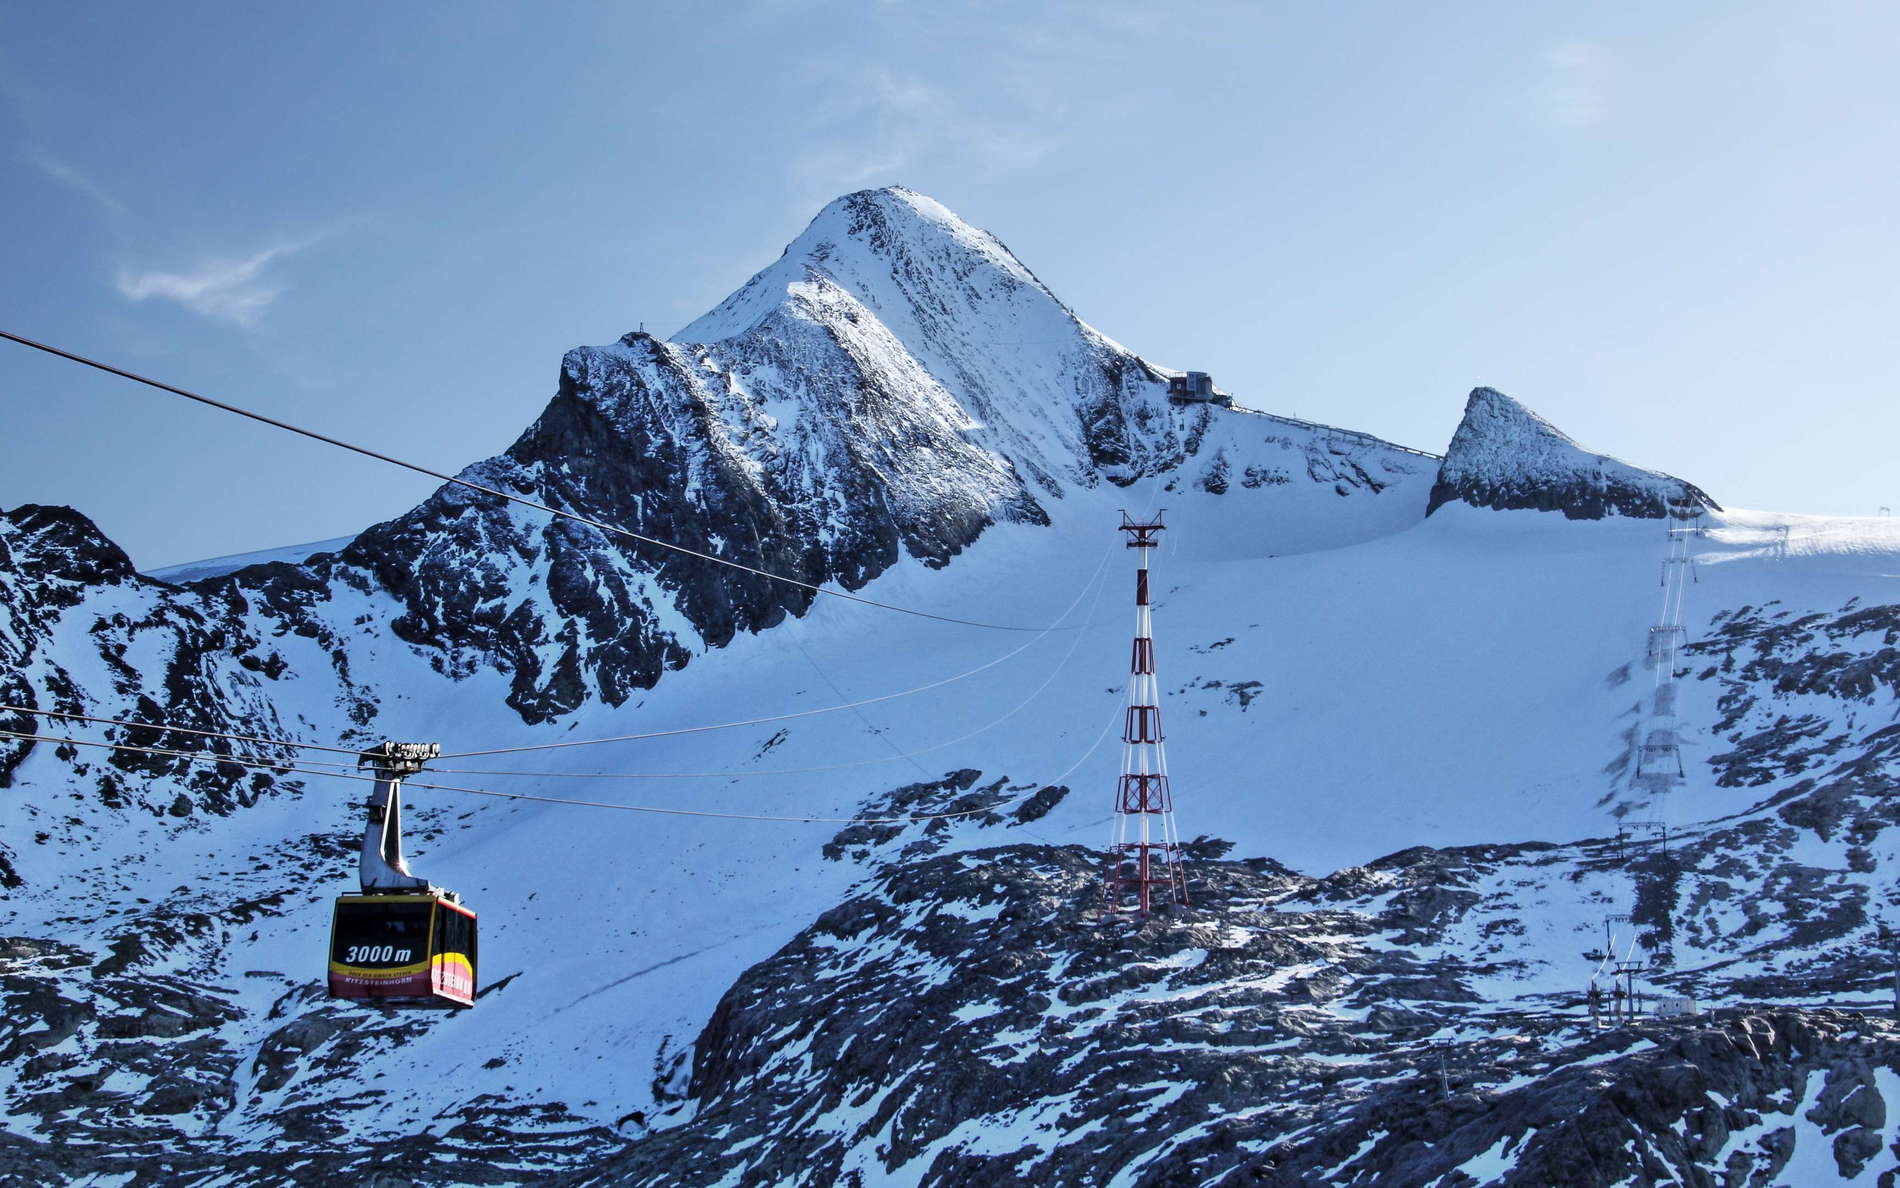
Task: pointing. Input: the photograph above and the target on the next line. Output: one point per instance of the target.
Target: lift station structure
(1196, 387)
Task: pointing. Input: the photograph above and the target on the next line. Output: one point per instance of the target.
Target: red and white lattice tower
(1146, 853)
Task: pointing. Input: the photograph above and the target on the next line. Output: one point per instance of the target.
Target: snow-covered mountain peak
(1506, 456)
(895, 222)
(909, 259)
(891, 318)
(1492, 418)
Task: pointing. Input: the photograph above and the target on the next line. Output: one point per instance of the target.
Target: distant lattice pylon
(1144, 861)
(1659, 769)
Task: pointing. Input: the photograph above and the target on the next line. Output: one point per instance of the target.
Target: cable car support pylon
(1144, 802)
(1659, 769)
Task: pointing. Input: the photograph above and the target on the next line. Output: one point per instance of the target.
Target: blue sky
(1668, 228)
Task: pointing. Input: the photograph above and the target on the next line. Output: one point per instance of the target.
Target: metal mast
(1659, 769)
(382, 866)
(1623, 1004)
(1144, 805)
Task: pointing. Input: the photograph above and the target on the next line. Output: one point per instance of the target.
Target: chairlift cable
(767, 720)
(525, 502)
(250, 738)
(783, 771)
(213, 757)
(21, 709)
(1154, 493)
(585, 742)
(920, 817)
(280, 765)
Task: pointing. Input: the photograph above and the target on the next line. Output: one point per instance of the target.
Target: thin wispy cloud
(1579, 77)
(226, 289)
(885, 123)
(68, 175)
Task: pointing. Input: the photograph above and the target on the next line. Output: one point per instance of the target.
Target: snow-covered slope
(898, 407)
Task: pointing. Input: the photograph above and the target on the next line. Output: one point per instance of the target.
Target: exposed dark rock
(998, 1035)
(62, 552)
(52, 561)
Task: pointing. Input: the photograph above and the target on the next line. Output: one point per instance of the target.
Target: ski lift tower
(1144, 805)
(1624, 1000)
(1659, 769)
(1624, 979)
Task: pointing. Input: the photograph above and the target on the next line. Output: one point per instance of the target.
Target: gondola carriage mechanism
(400, 941)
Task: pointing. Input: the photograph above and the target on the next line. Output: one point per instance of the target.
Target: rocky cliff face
(77, 627)
(920, 306)
(1506, 456)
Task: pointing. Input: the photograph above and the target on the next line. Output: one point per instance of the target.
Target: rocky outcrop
(966, 1018)
(967, 1021)
(60, 553)
(1505, 456)
(71, 604)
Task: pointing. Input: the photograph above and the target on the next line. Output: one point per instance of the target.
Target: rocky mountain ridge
(863, 402)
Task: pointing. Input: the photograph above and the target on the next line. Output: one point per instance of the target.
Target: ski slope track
(1405, 698)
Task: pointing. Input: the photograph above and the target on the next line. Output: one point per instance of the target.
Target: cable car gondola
(401, 940)
(406, 950)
